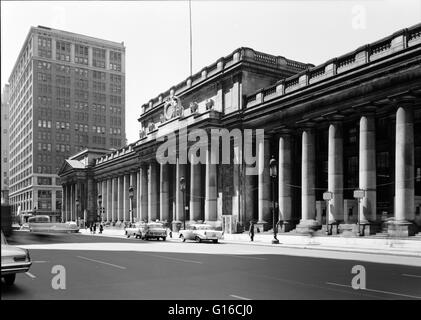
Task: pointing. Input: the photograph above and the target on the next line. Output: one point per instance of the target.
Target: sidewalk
(389, 246)
(393, 246)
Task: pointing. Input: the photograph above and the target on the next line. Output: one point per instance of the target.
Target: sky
(156, 33)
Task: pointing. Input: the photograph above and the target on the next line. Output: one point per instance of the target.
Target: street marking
(373, 290)
(242, 257)
(238, 297)
(176, 259)
(318, 286)
(410, 275)
(106, 263)
(30, 275)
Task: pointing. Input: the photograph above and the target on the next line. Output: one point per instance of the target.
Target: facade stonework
(351, 123)
(67, 93)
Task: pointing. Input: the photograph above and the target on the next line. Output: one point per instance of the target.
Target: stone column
(138, 189)
(104, 200)
(195, 192)
(91, 194)
(134, 184)
(126, 199)
(144, 194)
(335, 173)
(153, 192)
(71, 201)
(64, 205)
(284, 183)
(237, 171)
(249, 196)
(120, 213)
(308, 182)
(114, 199)
(264, 184)
(164, 193)
(404, 168)
(78, 209)
(367, 171)
(179, 210)
(211, 214)
(109, 200)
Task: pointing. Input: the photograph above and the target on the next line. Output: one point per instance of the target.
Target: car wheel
(215, 241)
(182, 238)
(10, 279)
(164, 238)
(198, 239)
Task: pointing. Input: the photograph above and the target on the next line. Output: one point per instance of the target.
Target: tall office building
(67, 93)
(5, 145)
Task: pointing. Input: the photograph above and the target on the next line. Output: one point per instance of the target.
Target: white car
(135, 230)
(13, 260)
(201, 232)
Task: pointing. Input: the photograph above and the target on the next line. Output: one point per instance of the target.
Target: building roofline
(58, 32)
(73, 34)
(243, 53)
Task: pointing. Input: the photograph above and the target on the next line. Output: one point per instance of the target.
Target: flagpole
(191, 42)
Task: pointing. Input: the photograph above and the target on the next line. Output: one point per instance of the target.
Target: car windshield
(203, 227)
(3, 239)
(155, 226)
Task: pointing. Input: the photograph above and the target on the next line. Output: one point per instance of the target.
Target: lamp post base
(401, 228)
(275, 241)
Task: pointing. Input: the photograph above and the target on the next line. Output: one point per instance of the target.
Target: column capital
(335, 118)
(308, 126)
(366, 109)
(282, 131)
(402, 100)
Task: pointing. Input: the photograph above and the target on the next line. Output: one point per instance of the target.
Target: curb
(416, 254)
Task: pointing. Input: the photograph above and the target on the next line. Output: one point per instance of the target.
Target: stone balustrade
(241, 54)
(115, 154)
(364, 55)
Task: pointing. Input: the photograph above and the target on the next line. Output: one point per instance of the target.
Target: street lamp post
(359, 194)
(77, 211)
(131, 195)
(327, 196)
(183, 190)
(100, 207)
(273, 169)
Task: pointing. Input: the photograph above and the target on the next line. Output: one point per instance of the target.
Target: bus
(42, 223)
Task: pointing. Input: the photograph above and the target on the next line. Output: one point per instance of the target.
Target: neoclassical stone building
(353, 122)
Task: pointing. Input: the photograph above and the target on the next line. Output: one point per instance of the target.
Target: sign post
(359, 194)
(327, 196)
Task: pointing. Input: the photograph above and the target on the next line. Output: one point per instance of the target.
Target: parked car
(135, 230)
(13, 260)
(154, 230)
(200, 232)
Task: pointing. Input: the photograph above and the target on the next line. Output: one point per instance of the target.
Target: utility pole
(191, 42)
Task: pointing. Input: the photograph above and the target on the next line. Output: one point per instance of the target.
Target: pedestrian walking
(251, 231)
(101, 227)
(94, 228)
(90, 228)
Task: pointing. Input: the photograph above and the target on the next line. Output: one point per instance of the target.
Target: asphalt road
(98, 267)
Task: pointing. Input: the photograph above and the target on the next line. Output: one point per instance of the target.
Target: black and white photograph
(210, 155)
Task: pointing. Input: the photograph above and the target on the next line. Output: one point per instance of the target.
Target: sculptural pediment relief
(172, 108)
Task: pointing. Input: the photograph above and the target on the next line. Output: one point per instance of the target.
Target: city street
(98, 267)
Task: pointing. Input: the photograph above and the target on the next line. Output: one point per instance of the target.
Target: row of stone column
(115, 201)
(152, 193)
(404, 166)
(70, 194)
